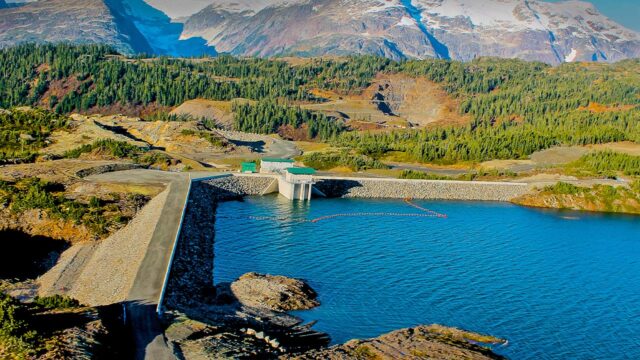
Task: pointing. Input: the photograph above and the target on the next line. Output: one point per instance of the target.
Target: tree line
(517, 107)
(268, 117)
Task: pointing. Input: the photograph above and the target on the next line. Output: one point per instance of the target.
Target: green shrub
(25, 131)
(420, 175)
(109, 147)
(471, 176)
(608, 163)
(565, 189)
(326, 161)
(15, 335)
(210, 137)
(33, 193)
(56, 302)
(155, 158)
(165, 116)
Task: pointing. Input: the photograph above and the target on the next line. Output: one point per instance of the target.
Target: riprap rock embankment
(420, 189)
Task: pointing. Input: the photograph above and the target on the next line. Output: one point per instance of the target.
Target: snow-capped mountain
(457, 29)
(550, 32)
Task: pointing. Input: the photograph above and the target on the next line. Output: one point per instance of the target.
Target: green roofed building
(249, 168)
(301, 171)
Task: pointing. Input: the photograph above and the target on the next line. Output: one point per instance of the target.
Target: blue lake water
(556, 285)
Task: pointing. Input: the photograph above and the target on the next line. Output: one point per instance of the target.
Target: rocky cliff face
(451, 29)
(532, 30)
(76, 21)
(321, 27)
(455, 29)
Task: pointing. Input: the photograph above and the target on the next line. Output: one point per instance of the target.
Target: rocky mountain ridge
(557, 32)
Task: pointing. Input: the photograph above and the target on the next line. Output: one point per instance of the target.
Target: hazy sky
(626, 12)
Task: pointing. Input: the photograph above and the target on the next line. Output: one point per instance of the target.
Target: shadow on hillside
(154, 30)
(26, 257)
(336, 188)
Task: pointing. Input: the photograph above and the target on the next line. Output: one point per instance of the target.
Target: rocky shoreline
(420, 189)
(247, 319)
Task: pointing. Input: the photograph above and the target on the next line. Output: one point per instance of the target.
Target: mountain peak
(552, 32)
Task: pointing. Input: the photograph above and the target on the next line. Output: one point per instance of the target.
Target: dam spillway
(296, 183)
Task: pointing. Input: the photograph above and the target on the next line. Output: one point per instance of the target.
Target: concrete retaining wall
(420, 189)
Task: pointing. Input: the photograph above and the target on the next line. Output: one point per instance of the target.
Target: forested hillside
(517, 107)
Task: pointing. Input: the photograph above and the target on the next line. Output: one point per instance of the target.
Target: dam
(294, 183)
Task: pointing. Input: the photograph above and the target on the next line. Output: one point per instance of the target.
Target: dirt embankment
(393, 101)
(420, 101)
(216, 111)
(102, 273)
(590, 200)
(39, 223)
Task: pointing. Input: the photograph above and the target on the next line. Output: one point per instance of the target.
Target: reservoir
(556, 285)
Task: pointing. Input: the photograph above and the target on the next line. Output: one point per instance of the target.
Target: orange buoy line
(435, 213)
(264, 218)
(329, 217)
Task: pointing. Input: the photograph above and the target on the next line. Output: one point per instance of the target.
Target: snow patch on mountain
(382, 5)
(406, 21)
(505, 14)
(572, 56)
(179, 9)
(253, 6)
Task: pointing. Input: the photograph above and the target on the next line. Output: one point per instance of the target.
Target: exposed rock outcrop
(422, 342)
(276, 293)
(75, 21)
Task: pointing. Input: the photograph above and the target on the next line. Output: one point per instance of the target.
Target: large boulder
(276, 293)
(422, 342)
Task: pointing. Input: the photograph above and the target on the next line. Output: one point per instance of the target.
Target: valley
(97, 156)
